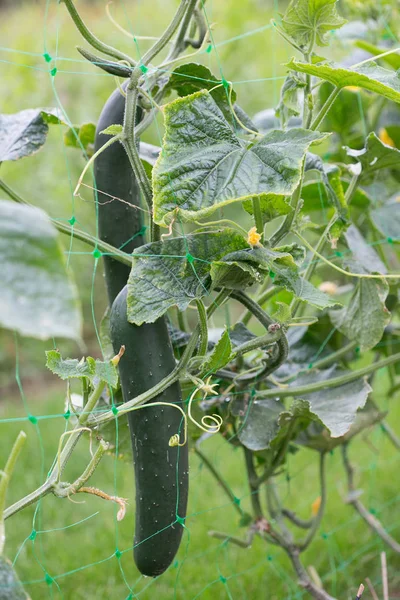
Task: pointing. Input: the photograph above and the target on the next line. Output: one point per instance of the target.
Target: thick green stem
(31, 498)
(308, 111)
(334, 382)
(5, 477)
(281, 344)
(91, 240)
(219, 535)
(304, 579)
(258, 219)
(169, 32)
(253, 307)
(92, 39)
(64, 491)
(325, 108)
(91, 403)
(179, 43)
(203, 346)
(221, 481)
(253, 484)
(264, 295)
(352, 188)
(132, 91)
(308, 273)
(289, 219)
(317, 520)
(61, 462)
(258, 342)
(390, 434)
(302, 523)
(129, 142)
(308, 99)
(182, 320)
(324, 362)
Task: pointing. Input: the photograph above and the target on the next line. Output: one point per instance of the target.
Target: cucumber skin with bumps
(115, 182)
(161, 471)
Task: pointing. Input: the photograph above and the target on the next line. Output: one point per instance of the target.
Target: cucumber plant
(161, 472)
(278, 214)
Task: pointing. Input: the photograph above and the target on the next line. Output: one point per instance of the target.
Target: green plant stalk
(275, 510)
(307, 110)
(201, 310)
(232, 539)
(155, 390)
(91, 403)
(289, 219)
(91, 240)
(253, 307)
(129, 134)
(302, 523)
(179, 44)
(5, 477)
(258, 342)
(317, 520)
(63, 491)
(253, 484)
(61, 461)
(219, 479)
(182, 320)
(285, 37)
(92, 39)
(173, 54)
(355, 180)
(308, 273)
(378, 112)
(324, 362)
(279, 456)
(334, 382)
(258, 219)
(269, 470)
(325, 108)
(261, 299)
(390, 434)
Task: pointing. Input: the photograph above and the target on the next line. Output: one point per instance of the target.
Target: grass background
(345, 552)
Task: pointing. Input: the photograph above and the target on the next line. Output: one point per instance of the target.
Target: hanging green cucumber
(118, 197)
(161, 471)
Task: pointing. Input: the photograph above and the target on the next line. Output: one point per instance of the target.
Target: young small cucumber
(161, 471)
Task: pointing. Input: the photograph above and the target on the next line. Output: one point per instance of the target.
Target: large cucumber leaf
(391, 59)
(335, 407)
(91, 368)
(25, 132)
(204, 166)
(175, 272)
(366, 316)
(309, 20)
(375, 155)
(369, 76)
(38, 297)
